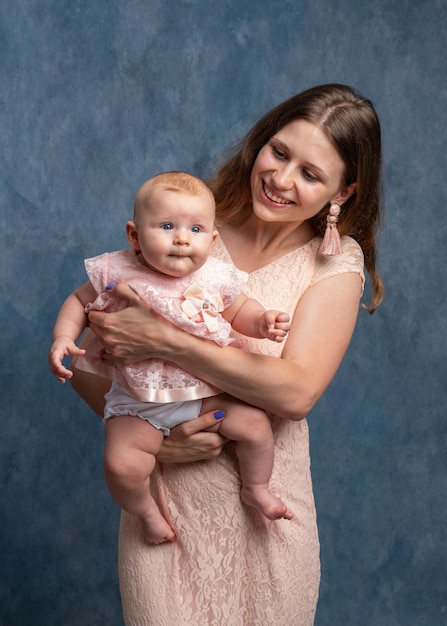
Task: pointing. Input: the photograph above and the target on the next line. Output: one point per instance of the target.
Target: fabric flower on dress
(201, 306)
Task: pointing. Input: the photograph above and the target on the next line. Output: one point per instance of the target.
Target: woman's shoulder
(349, 260)
(351, 249)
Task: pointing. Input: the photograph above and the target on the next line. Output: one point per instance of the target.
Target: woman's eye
(278, 153)
(167, 226)
(195, 229)
(310, 176)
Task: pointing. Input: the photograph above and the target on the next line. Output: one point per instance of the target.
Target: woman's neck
(256, 243)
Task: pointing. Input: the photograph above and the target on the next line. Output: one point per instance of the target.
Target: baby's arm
(70, 323)
(248, 317)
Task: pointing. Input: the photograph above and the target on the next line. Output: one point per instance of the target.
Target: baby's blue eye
(167, 226)
(195, 229)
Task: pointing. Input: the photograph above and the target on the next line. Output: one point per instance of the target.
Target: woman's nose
(283, 177)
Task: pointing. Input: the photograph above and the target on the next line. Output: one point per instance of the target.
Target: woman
(317, 150)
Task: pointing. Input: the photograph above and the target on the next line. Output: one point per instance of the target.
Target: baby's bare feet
(259, 497)
(155, 528)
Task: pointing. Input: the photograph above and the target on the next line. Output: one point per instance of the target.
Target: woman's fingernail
(110, 286)
(218, 415)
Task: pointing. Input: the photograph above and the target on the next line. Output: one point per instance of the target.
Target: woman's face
(296, 174)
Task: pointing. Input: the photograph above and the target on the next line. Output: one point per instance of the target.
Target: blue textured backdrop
(98, 95)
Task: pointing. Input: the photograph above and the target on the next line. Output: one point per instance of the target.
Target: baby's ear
(132, 235)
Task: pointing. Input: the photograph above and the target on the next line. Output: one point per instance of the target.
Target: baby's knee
(124, 467)
(256, 420)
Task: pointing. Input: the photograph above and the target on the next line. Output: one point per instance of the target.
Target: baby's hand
(62, 347)
(274, 325)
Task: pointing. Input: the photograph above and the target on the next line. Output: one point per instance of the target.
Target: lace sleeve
(97, 271)
(350, 260)
(233, 281)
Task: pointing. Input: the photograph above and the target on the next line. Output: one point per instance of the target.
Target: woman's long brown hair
(352, 125)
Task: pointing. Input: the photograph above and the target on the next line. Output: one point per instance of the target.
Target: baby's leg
(250, 428)
(129, 459)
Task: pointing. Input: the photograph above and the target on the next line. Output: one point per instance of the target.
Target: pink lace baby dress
(193, 302)
(230, 566)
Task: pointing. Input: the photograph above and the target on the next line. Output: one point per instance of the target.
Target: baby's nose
(182, 237)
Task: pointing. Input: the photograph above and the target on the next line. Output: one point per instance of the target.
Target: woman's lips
(273, 197)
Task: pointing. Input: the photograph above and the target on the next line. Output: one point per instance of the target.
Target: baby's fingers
(283, 318)
(283, 326)
(278, 334)
(60, 372)
(76, 351)
(62, 379)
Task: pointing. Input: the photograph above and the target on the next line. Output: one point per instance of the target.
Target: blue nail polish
(110, 286)
(218, 415)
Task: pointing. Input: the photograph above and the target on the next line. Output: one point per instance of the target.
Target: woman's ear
(132, 235)
(344, 194)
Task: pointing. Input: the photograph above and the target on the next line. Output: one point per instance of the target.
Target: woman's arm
(321, 330)
(187, 442)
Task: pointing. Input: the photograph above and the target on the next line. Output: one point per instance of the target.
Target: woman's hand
(191, 441)
(134, 333)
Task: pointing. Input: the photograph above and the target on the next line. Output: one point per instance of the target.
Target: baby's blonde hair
(171, 181)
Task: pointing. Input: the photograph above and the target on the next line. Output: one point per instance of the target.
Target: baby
(169, 266)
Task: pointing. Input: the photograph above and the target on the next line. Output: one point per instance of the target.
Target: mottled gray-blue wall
(95, 96)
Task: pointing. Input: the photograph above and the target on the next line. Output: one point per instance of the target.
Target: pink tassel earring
(331, 242)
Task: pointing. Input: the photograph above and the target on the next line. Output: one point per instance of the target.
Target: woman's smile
(298, 172)
(271, 195)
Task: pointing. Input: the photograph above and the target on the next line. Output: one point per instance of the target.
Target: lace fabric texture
(230, 566)
(156, 380)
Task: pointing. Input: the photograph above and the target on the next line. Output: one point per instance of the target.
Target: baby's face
(176, 233)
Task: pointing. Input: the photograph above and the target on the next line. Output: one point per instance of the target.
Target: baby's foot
(155, 528)
(268, 504)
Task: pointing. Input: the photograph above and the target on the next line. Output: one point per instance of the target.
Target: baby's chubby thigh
(242, 421)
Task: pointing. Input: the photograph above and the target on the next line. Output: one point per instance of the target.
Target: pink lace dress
(192, 302)
(230, 566)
